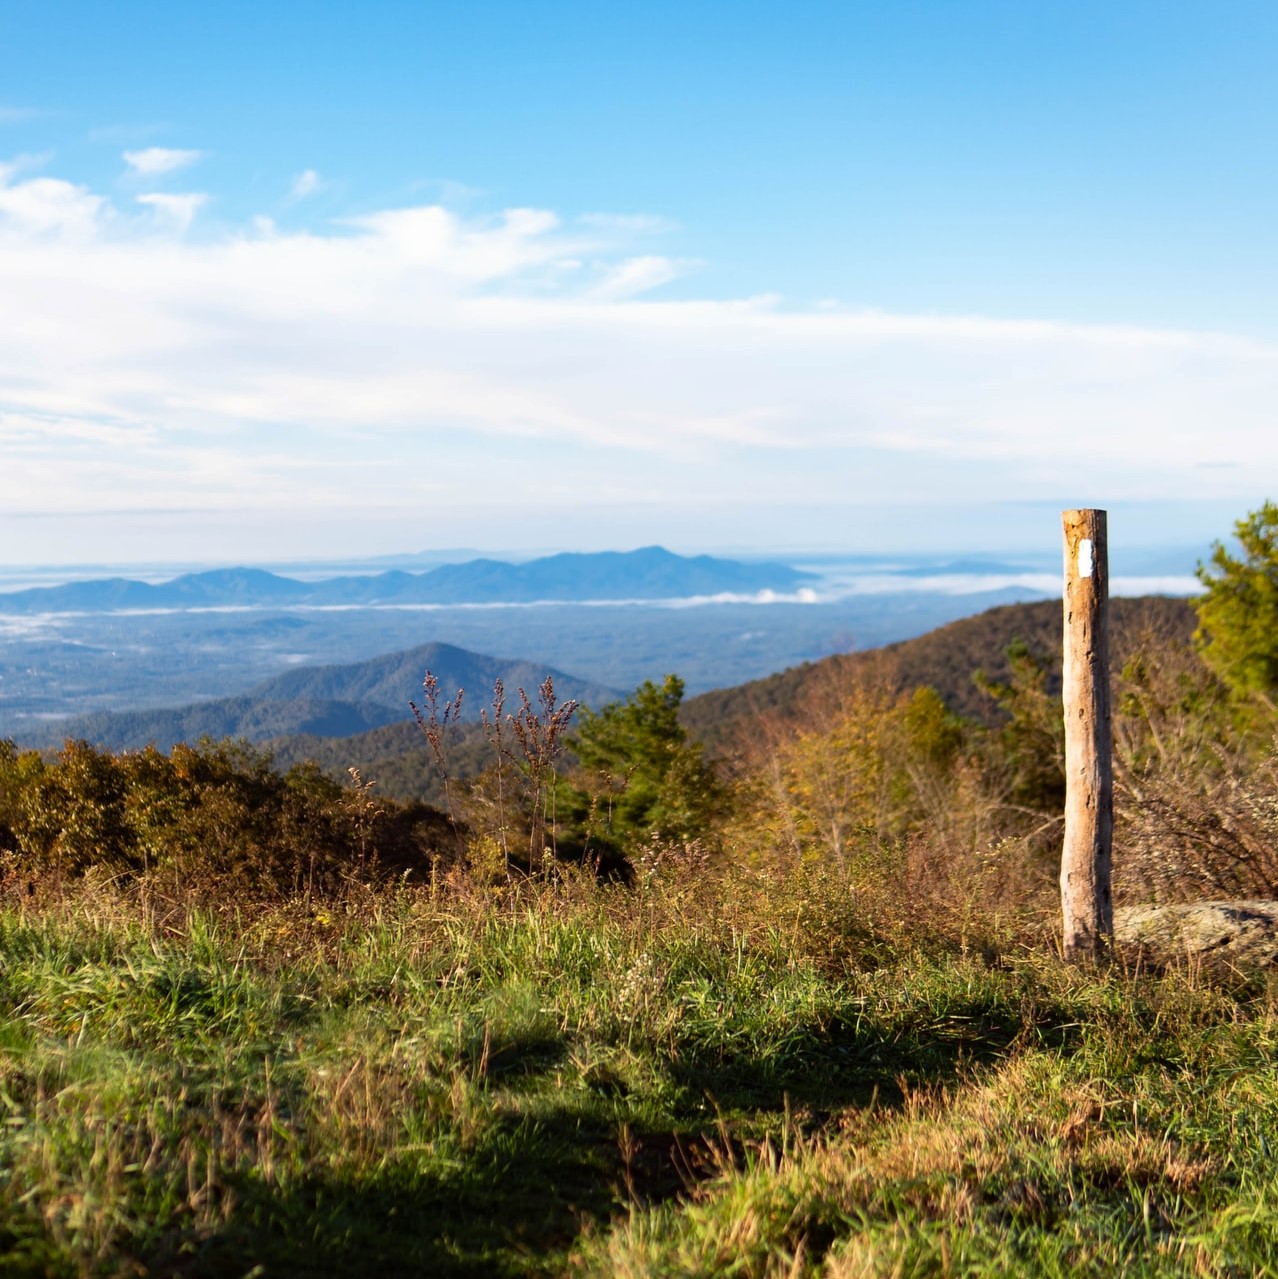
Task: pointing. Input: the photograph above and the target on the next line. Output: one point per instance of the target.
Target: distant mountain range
(326, 701)
(646, 574)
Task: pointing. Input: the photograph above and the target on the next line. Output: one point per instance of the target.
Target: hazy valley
(120, 646)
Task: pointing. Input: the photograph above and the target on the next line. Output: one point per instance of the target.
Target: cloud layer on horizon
(149, 362)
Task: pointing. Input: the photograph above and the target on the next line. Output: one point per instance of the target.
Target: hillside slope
(947, 659)
(328, 701)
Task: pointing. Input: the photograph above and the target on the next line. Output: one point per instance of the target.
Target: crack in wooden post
(1087, 903)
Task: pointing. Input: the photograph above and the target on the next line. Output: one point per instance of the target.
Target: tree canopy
(1238, 612)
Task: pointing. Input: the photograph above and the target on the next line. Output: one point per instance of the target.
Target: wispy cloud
(17, 115)
(636, 275)
(10, 169)
(177, 211)
(411, 350)
(151, 161)
(629, 223)
(308, 182)
(126, 134)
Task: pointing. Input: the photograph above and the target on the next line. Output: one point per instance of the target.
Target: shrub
(1196, 790)
(211, 818)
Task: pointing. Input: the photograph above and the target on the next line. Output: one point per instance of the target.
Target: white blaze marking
(1085, 557)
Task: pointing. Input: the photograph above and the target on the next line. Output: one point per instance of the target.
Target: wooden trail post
(1086, 897)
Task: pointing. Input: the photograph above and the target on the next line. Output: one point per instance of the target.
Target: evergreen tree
(638, 775)
(1238, 613)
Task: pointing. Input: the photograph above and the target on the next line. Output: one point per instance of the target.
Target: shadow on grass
(513, 1206)
(508, 1057)
(515, 1201)
(851, 1063)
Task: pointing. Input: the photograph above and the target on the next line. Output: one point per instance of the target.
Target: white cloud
(41, 207)
(150, 161)
(308, 182)
(176, 211)
(415, 351)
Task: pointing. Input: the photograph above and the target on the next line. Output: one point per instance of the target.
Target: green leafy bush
(215, 816)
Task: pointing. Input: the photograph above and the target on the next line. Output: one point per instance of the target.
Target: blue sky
(286, 280)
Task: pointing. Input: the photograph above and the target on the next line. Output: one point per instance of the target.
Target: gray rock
(1233, 935)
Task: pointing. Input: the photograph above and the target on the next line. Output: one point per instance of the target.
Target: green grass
(601, 1081)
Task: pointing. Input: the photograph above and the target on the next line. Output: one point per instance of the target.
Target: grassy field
(741, 1077)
